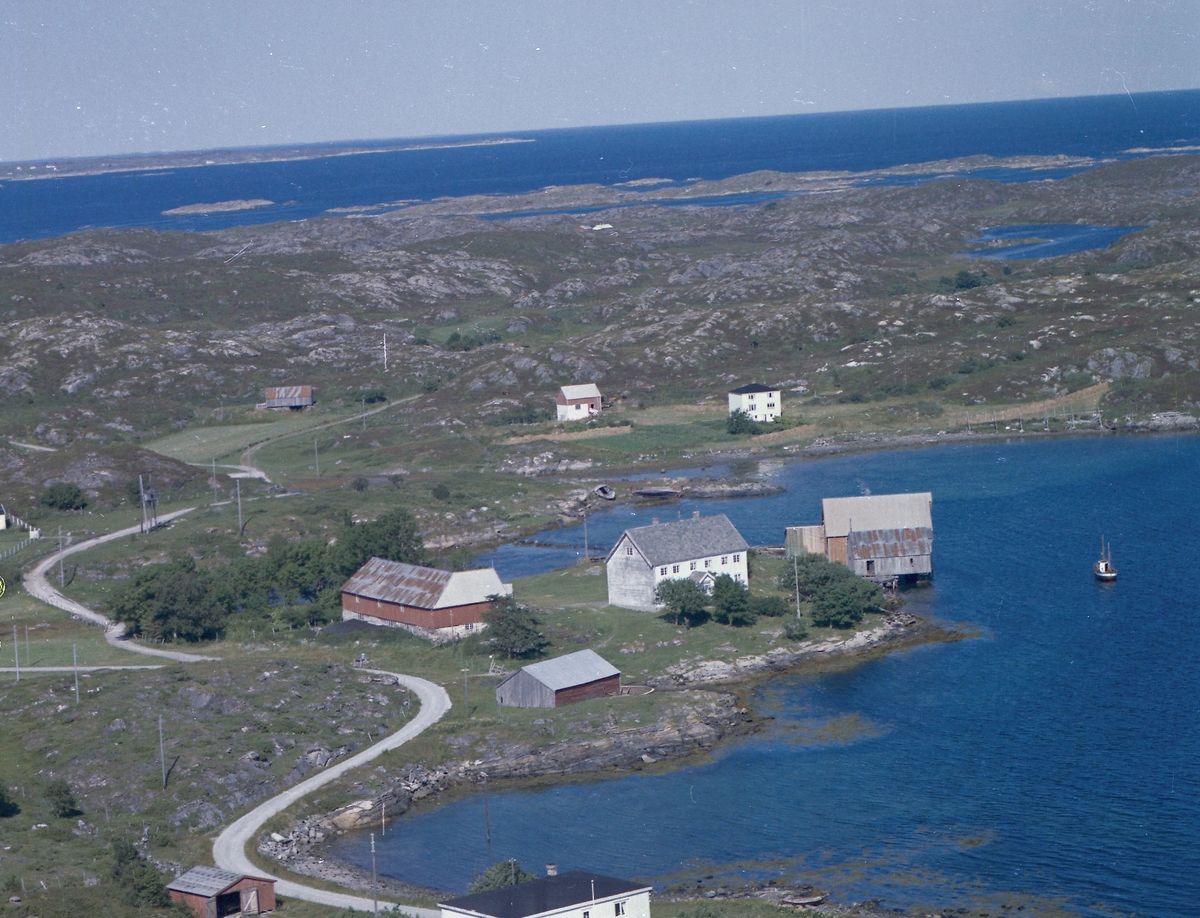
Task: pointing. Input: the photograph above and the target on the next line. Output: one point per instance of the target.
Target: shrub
(770, 606)
(371, 396)
(499, 875)
(514, 628)
(139, 882)
(741, 423)
(526, 414)
(62, 495)
(731, 603)
(440, 491)
(795, 630)
(1005, 322)
(360, 484)
(59, 797)
(8, 806)
(938, 383)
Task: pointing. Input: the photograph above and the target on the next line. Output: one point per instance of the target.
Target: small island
(220, 207)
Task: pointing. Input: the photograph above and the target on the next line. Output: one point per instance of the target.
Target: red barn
(213, 893)
(428, 602)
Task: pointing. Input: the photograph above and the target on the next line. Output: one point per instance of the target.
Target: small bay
(1051, 760)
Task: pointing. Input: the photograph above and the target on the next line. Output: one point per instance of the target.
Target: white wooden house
(701, 548)
(576, 894)
(761, 403)
(578, 403)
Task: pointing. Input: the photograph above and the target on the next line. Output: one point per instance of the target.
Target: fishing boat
(1103, 569)
(605, 491)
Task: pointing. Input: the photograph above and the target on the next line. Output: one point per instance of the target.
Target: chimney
(654, 520)
(552, 870)
(695, 514)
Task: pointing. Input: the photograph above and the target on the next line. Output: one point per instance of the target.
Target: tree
(499, 875)
(62, 495)
(393, 537)
(139, 882)
(514, 628)
(8, 806)
(60, 798)
(731, 602)
(741, 423)
(682, 599)
(837, 607)
(839, 598)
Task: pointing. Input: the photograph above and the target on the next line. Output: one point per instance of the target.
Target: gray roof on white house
(878, 511)
(577, 668)
(685, 540)
(204, 881)
(544, 896)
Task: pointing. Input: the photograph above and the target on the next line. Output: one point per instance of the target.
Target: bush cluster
(62, 495)
(471, 340)
(839, 598)
(294, 584)
(731, 603)
(526, 414)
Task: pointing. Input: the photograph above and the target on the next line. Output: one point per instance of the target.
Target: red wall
(411, 615)
(610, 685)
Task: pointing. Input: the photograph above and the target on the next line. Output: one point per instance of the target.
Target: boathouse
(576, 894)
(294, 397)
(646, 556)
(761, 403)
(578, 403)
(213, 893)
(434, 604)
(882, 537)
(564, 680)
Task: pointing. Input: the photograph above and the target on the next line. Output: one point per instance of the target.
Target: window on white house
(724, 559)
(587, 914)
(662, 571)
(737, 558)
(618, 909)
(770, 404)
(674, 568)
(629, 549)
(693, 567)
(752, 397)
(708, 562)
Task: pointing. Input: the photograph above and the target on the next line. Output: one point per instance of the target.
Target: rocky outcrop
(1167, 420)
(718, 488)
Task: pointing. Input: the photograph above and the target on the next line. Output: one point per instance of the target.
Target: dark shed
(563, 680)
(213, 893)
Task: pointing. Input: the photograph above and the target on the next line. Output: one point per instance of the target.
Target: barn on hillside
(294, 397)
(431, 603)
(213, 893)
(563, 680)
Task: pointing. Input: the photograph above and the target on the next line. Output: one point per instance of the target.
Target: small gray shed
(563, 680)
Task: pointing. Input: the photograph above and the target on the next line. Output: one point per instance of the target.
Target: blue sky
(86, 78)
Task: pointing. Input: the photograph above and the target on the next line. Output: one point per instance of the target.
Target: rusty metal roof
(290, 392)
(878, 511)
(209, 881)
(424, 587)
(889, 543)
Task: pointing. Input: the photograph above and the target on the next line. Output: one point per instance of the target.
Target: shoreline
(715, 712)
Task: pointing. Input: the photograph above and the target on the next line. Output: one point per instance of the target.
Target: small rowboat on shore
(1103, 569)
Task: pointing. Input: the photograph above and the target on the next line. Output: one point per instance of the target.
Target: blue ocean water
(1054, 239)
(1050, 761)
(852, 141)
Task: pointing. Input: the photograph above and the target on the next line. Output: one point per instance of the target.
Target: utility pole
(16, 652)
(75, 666)
(585, 541)
(161, 753)
(364, 412)
(214, 465)
(374, 878)
(60, 565)
(316, 457)
(385, 352)
(487, 818)
(28, 655)
(238, 482)
(796, 580)
(142, 501)
(466, 703)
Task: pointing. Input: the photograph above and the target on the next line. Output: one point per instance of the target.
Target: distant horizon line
(323, 148)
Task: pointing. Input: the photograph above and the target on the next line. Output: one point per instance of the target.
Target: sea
(1050, 761)
(858, 142)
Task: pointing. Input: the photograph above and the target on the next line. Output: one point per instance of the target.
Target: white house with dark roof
(761, 403)
(564, 680)
(576, 894)
(578, 403)
(701, 548)
(431, 603)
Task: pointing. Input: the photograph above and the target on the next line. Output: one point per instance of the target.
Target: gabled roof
(586, 390)
(549, 894)
(209, 881)
(290, 392)
(577, 668)
(700, 537)
(752, 387)
(424, 587)
(878, 511)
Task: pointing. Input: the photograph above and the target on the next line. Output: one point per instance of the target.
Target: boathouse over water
(882, 537)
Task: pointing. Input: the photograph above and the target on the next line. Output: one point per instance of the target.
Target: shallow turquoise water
(1056, 754)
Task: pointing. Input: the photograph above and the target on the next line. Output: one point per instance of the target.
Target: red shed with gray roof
(213, 893)
(563, 680)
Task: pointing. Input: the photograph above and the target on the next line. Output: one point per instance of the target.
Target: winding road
(229, 848)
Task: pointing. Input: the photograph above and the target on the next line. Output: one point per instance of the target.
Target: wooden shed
(563, 680)
(294, 397)
(213, 893)
(430, 603)
(578, 403)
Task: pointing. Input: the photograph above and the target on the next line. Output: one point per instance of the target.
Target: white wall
(636, 905)
(761, 406)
